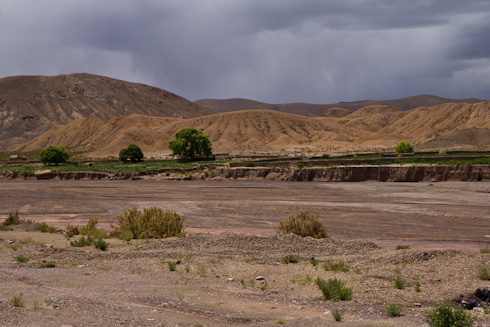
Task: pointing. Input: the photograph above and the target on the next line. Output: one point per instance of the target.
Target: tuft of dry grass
(304, 223)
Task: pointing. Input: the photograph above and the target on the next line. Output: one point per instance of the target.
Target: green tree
(404, 147)
(132, 152)
(54, 154)
(190, 143)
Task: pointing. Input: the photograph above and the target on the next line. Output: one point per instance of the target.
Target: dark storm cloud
(276, 51)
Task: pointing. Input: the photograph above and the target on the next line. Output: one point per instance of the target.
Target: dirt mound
(336, 112)
(31, 105)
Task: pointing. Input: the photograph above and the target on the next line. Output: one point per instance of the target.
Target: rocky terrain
(31, 105)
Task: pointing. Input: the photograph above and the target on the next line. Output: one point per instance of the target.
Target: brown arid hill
(263, 131)
(31, 105)
(317, 110)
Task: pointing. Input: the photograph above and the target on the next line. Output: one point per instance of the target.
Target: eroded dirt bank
(391, 173)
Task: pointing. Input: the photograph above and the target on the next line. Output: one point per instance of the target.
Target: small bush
(442, 152)
(334, 289)
(444, 315)
(485, 250)
(399, 283)
(483, 273)
(45, 228)
(330, 265)
(126, 235)
(402, 247)
(300, 165)
(21, 258)
(3, 227)
(289, 259)
(203, 272)
(394, 310)
(249, 163)
(100, 244)
(12, 219)
(82, 242)
(151, 223)
(337, 314)
(314, 262)
(172, 265)
(17, 300)
(416, 284)
(49, 264)
(325, 156)
(404, 147)
(304, 223)
(71, 231)
(91, 229)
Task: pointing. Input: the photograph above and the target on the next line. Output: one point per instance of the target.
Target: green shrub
(71, 231)
(337, 314)
(404, 147)
(402, 247)
(394, 310)
(444, 316)
(172, 265)
(249, 163)
(416, 284)
(100, 244)
(325, 156)
(126, 235)
(21, 258)
(485, 250)
(12, 219)
(300, 165)
(45, 228)
(483, 273)
(334, 289)
(330, 265)
(304, 223)
(314, 262)
(399, 283)
(91, 229)
(151, 223)
(3, 227)
(48, 264)
(442, 152)
(17, 300)
(290, 259)
(82, 242)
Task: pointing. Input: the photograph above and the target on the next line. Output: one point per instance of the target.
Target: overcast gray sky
(277, 51)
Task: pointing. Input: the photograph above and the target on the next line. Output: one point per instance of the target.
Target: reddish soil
(452, 215)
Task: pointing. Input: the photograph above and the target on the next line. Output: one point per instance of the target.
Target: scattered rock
(483, 294)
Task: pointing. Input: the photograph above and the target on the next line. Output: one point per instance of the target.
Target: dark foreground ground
(424, 215)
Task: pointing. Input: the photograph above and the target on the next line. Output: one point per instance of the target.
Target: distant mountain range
(317, 110)
(100, 115)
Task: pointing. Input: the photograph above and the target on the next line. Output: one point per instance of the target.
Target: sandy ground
(424, 215)
(216, 283)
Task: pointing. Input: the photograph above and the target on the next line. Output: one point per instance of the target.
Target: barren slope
(262, 131)
(31, 105)
(317, 110)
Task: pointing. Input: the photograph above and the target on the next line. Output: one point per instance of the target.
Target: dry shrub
(92, 230)
(151, 223)
(304, 223)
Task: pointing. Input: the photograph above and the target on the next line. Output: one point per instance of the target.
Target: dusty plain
(232, 240)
